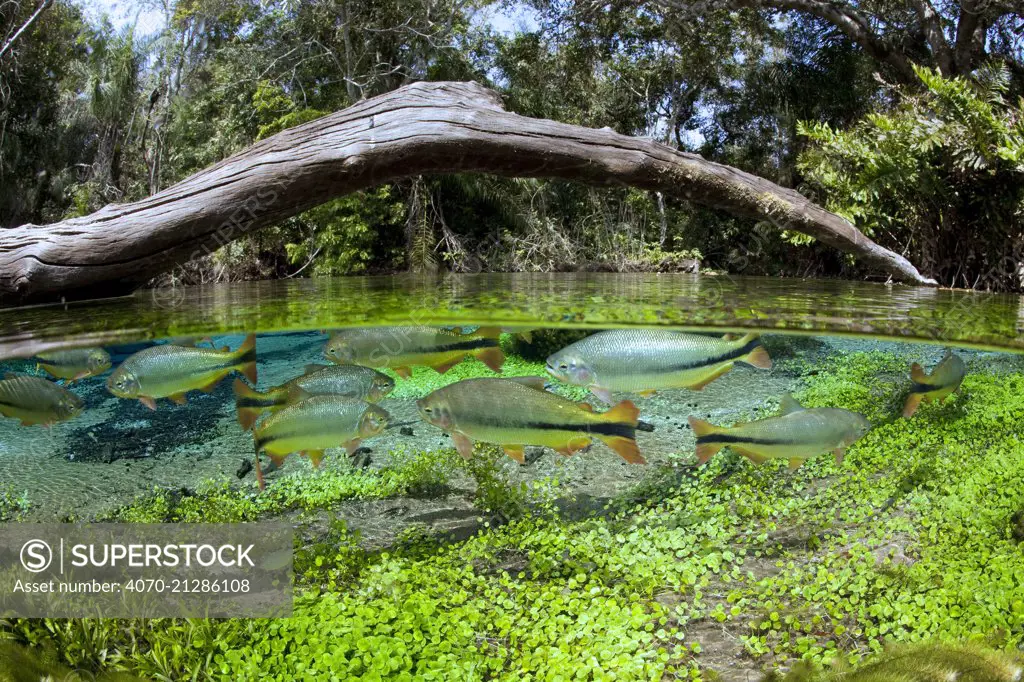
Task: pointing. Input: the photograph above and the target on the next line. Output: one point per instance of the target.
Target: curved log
(420, 128)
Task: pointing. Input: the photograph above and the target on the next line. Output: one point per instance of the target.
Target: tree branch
(420, 128)
(969, 44)
(842, 15)
(24, 27)
(931, 23)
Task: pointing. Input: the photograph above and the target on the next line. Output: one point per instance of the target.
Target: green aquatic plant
(13, 505)
(420, 473)
(24, 664)
(906, 541)
(497, 495)
(932, 662)
(424, 380)
(862, 382)
(333, 560)
(544, 342)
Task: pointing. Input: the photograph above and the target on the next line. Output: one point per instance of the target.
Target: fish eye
(563, 366)
(428, 409)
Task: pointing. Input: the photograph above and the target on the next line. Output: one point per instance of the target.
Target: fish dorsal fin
(917, 373)
(297, 395)
(788, 405)
(536, 383)
(314, 367)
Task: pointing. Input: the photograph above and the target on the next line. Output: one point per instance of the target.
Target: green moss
(937, 661)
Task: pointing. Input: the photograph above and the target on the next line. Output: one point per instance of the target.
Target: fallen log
(419, 129)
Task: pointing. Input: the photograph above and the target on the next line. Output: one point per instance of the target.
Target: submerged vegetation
(912, 539)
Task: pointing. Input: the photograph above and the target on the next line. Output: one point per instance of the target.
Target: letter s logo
(36, 556)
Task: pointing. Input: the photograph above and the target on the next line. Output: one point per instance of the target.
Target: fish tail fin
(492, 357)
(246, 358)
(250, 403)
(277, 460)
(626, 415)
(758, 357)
(917, 373)
(913, 402)
(703, 429)
(260, 481)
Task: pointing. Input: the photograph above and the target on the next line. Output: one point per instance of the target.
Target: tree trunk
(420, 128)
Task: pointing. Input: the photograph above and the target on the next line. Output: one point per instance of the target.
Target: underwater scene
(539, 501)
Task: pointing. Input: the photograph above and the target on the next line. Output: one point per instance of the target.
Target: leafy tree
(941, 176)
(39, 142)
(954, 37)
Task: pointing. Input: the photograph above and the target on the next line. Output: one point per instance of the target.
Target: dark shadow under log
(421, 128)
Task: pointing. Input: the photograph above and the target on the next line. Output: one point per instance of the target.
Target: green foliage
(43, 134)
(497, 495)
(908, 541)
(276, 111)
(415, 474)
(544, 342)
(862, 382)
(333, 561)
(22, 664)
(936, 662)
(942, 174)
(342, 237)
(13, 506)
(910, 553)
(424, 379)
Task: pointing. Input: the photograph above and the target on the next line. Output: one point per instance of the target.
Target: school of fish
(336, 405)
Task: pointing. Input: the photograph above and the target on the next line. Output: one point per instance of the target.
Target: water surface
(596, 300)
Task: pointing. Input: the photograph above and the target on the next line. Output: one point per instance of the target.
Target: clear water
(118, 449)
(832, 343)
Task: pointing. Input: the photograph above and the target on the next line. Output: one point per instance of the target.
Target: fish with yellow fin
(796, 434)
(945, 378)
(35, 400)
(314, 424)
(399, 348)
(170, 371)
(351, 381)
(518, 411)
(648, 360)
(74, 364)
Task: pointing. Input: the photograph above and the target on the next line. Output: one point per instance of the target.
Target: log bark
(420, 128)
